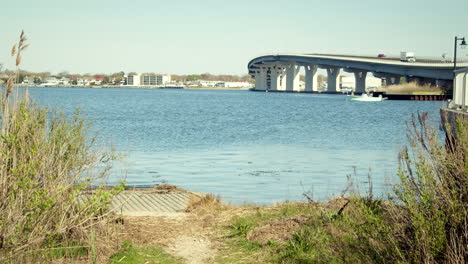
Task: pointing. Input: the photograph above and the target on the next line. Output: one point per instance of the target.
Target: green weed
(131, 254)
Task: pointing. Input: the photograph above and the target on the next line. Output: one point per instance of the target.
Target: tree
(64, 74)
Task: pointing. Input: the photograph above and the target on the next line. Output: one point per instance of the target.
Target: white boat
(366, 98)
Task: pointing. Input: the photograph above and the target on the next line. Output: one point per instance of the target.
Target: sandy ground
(186, 235)
(199, 234)
(199, 237)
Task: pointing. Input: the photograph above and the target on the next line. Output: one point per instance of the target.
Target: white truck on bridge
(407, 56)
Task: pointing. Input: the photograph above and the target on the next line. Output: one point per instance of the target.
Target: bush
(47, 164)
(434, 193)
(424, 220)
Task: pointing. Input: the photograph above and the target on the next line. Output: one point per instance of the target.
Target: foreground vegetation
(424, 220)
(47, 164)
(131, 254)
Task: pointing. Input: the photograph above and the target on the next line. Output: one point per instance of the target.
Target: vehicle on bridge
(407, 56)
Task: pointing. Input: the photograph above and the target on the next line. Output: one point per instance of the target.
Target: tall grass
(47, 163)
(413, 88)
(434, 193)
(423, 220)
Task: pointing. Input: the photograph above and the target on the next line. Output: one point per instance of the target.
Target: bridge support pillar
(392, 79)
(292, 77)
(276, 73)
(311, 78)
(261, 79)
(282, 86)
(360, 81)
(333, 83)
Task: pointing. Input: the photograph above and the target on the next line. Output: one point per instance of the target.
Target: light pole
(462, 45)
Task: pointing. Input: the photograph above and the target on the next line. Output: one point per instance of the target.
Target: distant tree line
(212, 77)
(116, 78)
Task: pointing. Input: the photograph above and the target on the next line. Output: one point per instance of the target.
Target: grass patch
(424, 219)
(245, 246)
(131, 254)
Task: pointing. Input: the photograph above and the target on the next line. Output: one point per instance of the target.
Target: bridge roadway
(280, 72)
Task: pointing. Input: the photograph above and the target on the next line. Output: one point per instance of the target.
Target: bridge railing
(429, 59)
(460, 90)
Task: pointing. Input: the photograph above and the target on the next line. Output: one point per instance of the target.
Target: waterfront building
(154, 79)
(26, 80)
(205, 83)
(53, 81)
(132, 79)
(81, 82)
(88, 81)
(234, 84)
(147, 79)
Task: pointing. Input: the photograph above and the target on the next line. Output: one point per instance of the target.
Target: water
(245, 146)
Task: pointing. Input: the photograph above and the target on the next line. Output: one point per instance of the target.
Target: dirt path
(194, 250)
(186, 235)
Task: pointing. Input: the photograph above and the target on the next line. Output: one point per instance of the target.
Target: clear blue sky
(188, 36)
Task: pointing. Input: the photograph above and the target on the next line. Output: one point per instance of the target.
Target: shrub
(424, 220)
(434, 193)
(47, 164)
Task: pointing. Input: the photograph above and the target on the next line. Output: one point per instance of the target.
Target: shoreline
(133, 87)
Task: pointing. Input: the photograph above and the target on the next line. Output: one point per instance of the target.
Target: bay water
(247, 147)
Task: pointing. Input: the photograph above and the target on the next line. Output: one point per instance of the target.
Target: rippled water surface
(245, 146)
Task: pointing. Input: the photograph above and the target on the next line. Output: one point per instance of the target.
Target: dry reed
(46, 162)
(205, 203)
(413, 88)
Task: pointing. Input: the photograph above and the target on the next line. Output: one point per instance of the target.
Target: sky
(219, 37)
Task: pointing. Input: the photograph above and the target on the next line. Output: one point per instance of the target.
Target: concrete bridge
(280, 72)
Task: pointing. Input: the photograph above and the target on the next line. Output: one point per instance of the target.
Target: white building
(147, 79)
(154, 79)
(26, 80)
(234, 84)
(133, 79)
(64, 81)
(83, 82)
(205, 83)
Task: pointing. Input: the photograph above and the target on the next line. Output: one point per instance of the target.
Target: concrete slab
(152, 201)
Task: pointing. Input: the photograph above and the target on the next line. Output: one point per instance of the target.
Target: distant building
(147, 79)
(82, 82)
(64, 81)
(99, 78)
(154, 79)
(133, 79)
(26, 80)
(205, 83)
(234, 84)
(88, 81)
